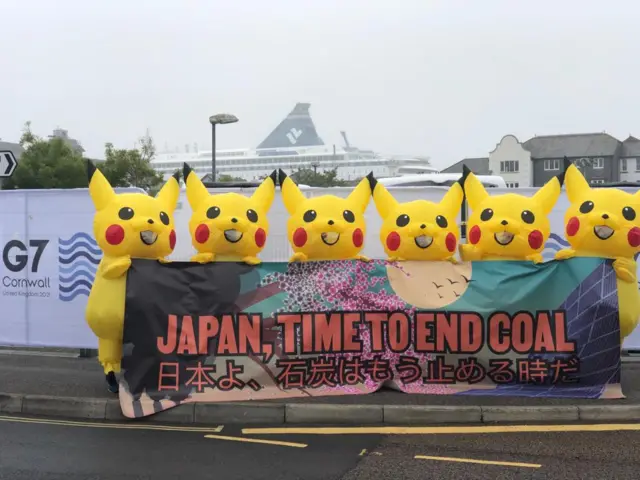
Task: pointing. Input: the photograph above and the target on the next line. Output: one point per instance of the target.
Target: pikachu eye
(349, 216)
(403, 220)
(486, 215)
(442, 222)
(309, 216)
(164, 218)
(213, 212)
(629, 213)
(528, 217)
(252, 216)
(586, 207)
(126, 213)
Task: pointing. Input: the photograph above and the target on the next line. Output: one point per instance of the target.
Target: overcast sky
(441, 78)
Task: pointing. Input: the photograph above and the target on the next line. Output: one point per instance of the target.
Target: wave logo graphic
(78, 259)
(554, 244)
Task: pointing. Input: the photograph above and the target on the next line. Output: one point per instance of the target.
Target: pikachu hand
(535, 258)
(565, 254)
(203, 257)
(298, 257)
(116, 268)
(396, 259)
(453, 260)
(362, 258)
(252, 260)
(625, 269)
(469, 253)
(164, 260)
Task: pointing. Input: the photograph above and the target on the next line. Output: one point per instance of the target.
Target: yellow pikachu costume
(605, 222)
(418, 230)
(509, 226)
(228, 226)
(325, 227)
(126, 226)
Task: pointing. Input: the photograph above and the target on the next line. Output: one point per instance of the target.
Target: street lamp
(219, 119)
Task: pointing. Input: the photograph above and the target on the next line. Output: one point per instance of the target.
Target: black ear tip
(176, 175)
(372, 181)
(186, 170)
(274, 177)
(282, 176)
(91, 169)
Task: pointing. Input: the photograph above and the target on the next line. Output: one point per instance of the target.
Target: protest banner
(230, 331)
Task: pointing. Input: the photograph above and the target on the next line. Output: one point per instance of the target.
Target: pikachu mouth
(330, 238)
(504, 238)
(148, 237)
(603, 232)
(232, 235)
(423, 241)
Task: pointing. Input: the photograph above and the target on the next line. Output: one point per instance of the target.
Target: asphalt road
(34, 451)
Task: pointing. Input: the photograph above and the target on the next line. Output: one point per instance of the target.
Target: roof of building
(478, 165)
(16, 148)
(572, 145)
(631, 147)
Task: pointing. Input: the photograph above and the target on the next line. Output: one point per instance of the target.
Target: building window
(598, 163)
(597, 181)
(623, 164)
(552, 164)
(510, 166)
(513, 184)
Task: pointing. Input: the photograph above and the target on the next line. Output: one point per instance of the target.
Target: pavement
(38, 449)
(59, 385)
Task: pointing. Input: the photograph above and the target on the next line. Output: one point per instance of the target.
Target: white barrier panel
(50, 256)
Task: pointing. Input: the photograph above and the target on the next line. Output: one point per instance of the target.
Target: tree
(307, 176)
(229, 178)
(50, 163)
(132, 168)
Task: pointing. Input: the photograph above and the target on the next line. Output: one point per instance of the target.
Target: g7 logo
(22, 259)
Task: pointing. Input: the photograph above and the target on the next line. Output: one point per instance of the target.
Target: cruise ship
(294, 145)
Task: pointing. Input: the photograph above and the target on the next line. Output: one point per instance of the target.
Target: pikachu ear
(575, 183)
(548, 195)
(169, 193)
(291, 194)
(265, 193)
(383, 200)
(452, 200)
(99, 188)
(196, 191)
(473, 188)
(361, 195)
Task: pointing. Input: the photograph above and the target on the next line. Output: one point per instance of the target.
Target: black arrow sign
(11, 163)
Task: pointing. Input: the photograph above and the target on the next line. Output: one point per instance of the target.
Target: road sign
(8, 163)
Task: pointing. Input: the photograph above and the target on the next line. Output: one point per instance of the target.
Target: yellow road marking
(122, 426)
(483, 462)
(257, 440)
(441, 430)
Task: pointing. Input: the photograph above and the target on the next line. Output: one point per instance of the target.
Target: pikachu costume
(605, 222)
(509, 226)
(126, 226)
(228, 226)
(325, 227)
(418, 230)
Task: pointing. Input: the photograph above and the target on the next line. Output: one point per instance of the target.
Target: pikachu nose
(330, 222)
(234, 220)
(423, 226)
(150, 222)
(504, 222)
(605, 216)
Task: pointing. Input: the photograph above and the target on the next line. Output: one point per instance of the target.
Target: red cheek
(393, 241)
(299, 237)
(474, 234)
(202, 233)
(261, 237)
(358, 238)
(633, 237)
(535, 239)
(573, 225)
(450, 242)
(172, 239)
(114, 235)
